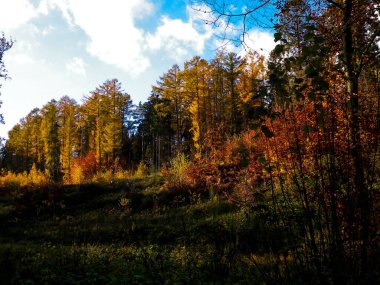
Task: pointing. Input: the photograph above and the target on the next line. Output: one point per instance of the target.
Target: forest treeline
(299, 130)
(106, 130)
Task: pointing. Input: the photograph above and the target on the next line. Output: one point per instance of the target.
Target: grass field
(135, 232)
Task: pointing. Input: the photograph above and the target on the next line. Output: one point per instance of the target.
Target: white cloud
(203, 15)
(115, 39)
(46, 6)
(228, 33)
(257, 40)
(177, 38)
(77, 66)
(19, 59)
(180, 38)
(110, 26)
(22, 46)
(262, 42)
(113, 35)
(41, 31)
(14, 13)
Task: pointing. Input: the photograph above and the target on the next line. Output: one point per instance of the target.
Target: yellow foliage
(103, 177)
(177, 172)
(77, 175)
(141, 170)
(34, 178)
(122, 174)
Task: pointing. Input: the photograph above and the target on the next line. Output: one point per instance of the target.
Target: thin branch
(336, 4)
(245, 14)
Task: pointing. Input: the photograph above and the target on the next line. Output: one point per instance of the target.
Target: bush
(15, 181)
(102, 177)
(83, 168)
(122, 174)
(177, 174)
(141, 171)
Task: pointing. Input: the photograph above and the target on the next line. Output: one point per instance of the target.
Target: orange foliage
(83, 168)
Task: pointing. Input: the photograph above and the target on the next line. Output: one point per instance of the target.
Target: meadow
(134, 231)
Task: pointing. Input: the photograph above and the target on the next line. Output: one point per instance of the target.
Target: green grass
(86, 235)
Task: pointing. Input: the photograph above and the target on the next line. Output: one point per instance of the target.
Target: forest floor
(136, 232)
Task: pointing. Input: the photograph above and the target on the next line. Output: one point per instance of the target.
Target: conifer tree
(68, 134)
(50, 137)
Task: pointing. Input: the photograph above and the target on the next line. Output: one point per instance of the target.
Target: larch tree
(4, 46)
(50, 138)
(94, 117)
(219, 97)
(170, 88)
(14, 149)
(34, 120)
(233, 66)
(252, 89)
(118, 102)
(68, 134)
(195, 89)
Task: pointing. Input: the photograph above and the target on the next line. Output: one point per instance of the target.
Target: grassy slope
(152, 237)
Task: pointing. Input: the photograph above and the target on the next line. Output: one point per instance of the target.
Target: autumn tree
(196, 90)
(68, 134)
(170, 88)
(233, 67)
(4, 46)
(326, 55)
(155, 133)
(13, 156)
(103, 121)
(50, 138)
(24, 146)
(252, 90)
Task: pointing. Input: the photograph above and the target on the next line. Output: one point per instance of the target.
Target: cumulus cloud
(19, 59)
(262, 42)
(14, 13)
(76, 66)
(257, 40)
(177, 37)
(115, 38)
(228, 33)
(110, 26)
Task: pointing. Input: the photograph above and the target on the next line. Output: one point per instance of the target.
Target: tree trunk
(352, 86)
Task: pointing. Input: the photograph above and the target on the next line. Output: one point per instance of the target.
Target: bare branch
(336, 4)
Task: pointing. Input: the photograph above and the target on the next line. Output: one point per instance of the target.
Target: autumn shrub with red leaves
(83, 168)
(229, 166)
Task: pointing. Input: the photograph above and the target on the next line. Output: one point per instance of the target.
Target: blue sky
(69, 47)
